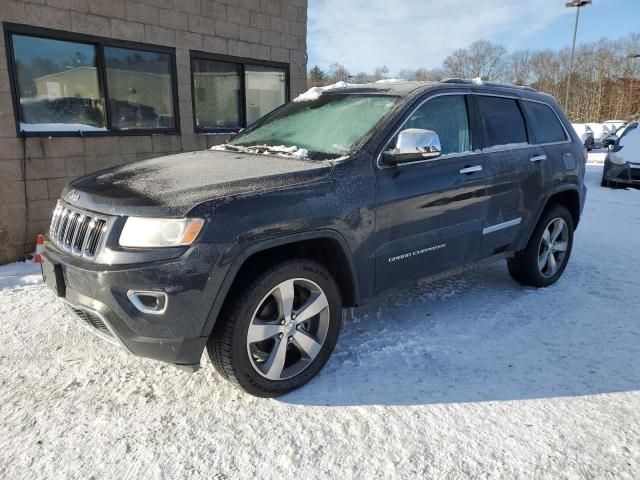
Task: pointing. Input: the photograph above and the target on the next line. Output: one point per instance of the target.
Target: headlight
(160, 232)
(614, 157)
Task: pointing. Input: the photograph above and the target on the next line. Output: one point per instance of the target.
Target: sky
(364, 34)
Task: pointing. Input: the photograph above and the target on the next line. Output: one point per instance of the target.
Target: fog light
(153, 303)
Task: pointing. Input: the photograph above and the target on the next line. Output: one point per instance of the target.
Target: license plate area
(54, 278)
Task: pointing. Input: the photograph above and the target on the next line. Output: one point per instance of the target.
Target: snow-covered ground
(470, 377)
(597, 156)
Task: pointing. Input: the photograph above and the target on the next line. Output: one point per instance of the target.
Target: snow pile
(390, 80)
(59, 127)
(19, 274)
(314, 92)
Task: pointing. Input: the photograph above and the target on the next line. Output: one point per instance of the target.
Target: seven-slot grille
(77, 232)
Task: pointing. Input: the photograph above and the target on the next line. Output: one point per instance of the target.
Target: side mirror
(414, 144)
(610, 141)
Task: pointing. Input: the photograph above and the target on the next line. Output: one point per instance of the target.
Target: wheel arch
(326, 246)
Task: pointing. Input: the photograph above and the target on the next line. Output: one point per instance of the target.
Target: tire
(258, 309)
(524, 267)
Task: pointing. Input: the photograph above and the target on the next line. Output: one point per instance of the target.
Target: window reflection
(58, 85)
(216, 88)
(266, 90)
(140, 89)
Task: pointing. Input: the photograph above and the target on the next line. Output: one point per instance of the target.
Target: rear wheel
(546, 255)
(277, 332)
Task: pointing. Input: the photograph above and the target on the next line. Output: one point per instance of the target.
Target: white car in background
(600, 132)
(585, 133)
(622, 164)
(614, 125)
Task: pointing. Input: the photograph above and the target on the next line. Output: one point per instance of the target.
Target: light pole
(632, 57)
(577, 4)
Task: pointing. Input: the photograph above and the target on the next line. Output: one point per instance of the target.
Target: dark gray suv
(252, 250)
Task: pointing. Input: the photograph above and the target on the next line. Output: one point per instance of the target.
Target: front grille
(80, 233)
(92, 320)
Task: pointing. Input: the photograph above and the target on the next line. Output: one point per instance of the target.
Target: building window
(68, 84)
(140, 89)
(58, 85)
(230, 94)
(216, 90)
(265, 90)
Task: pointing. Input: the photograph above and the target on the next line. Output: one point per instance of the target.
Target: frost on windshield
(329, 125)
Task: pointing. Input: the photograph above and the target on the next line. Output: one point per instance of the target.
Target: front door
(429, 215)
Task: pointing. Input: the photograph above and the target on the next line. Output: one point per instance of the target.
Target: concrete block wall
(34, 170)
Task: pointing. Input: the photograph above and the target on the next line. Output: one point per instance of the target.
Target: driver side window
(447, 116)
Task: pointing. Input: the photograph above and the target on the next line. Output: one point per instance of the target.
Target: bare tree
(482, 59)
(338, 73)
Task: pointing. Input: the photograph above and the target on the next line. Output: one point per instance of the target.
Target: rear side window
(503, 121)
(546, 125)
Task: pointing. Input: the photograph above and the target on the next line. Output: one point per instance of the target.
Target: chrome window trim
(568, 140)
(382, 166)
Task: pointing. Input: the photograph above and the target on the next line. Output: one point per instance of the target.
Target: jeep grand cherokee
(251, 250)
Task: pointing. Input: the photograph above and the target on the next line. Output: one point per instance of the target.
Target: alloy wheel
(288, 329)
(553, 247)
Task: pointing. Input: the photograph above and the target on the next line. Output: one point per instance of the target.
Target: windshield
(327, 127)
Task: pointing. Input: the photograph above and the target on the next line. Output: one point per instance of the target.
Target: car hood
(173, 185)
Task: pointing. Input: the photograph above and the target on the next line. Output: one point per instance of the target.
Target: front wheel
(546, 255)
(277, 332)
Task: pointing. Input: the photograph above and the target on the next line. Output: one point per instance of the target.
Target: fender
(543, 206)
(280, 241)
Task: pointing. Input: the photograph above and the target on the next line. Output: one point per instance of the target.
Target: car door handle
(538, 158)
(475, 168)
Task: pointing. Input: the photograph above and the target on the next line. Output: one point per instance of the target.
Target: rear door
(548, 133)
(429, 214)
(518, 168)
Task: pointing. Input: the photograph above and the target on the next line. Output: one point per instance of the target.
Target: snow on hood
(172, 185)
(629, 147)
(314, 92)
(300, 153)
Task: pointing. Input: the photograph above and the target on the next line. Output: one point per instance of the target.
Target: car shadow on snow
(481, 337)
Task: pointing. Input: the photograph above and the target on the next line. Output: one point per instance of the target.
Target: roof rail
(491, 84)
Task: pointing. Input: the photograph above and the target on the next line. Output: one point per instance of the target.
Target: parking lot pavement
(469, 377)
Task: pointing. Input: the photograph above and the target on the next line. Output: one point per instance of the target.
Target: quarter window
(72, 86)
(447, 116)
(546, 125)
(229, 95)
(503, 121)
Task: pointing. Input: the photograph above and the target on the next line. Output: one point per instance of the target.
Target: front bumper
(627, 174)
(97, 296)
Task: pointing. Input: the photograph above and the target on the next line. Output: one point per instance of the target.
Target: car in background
(614, 125)
(622, 164)
(611, 140)
(585, 134)
(600, 132)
